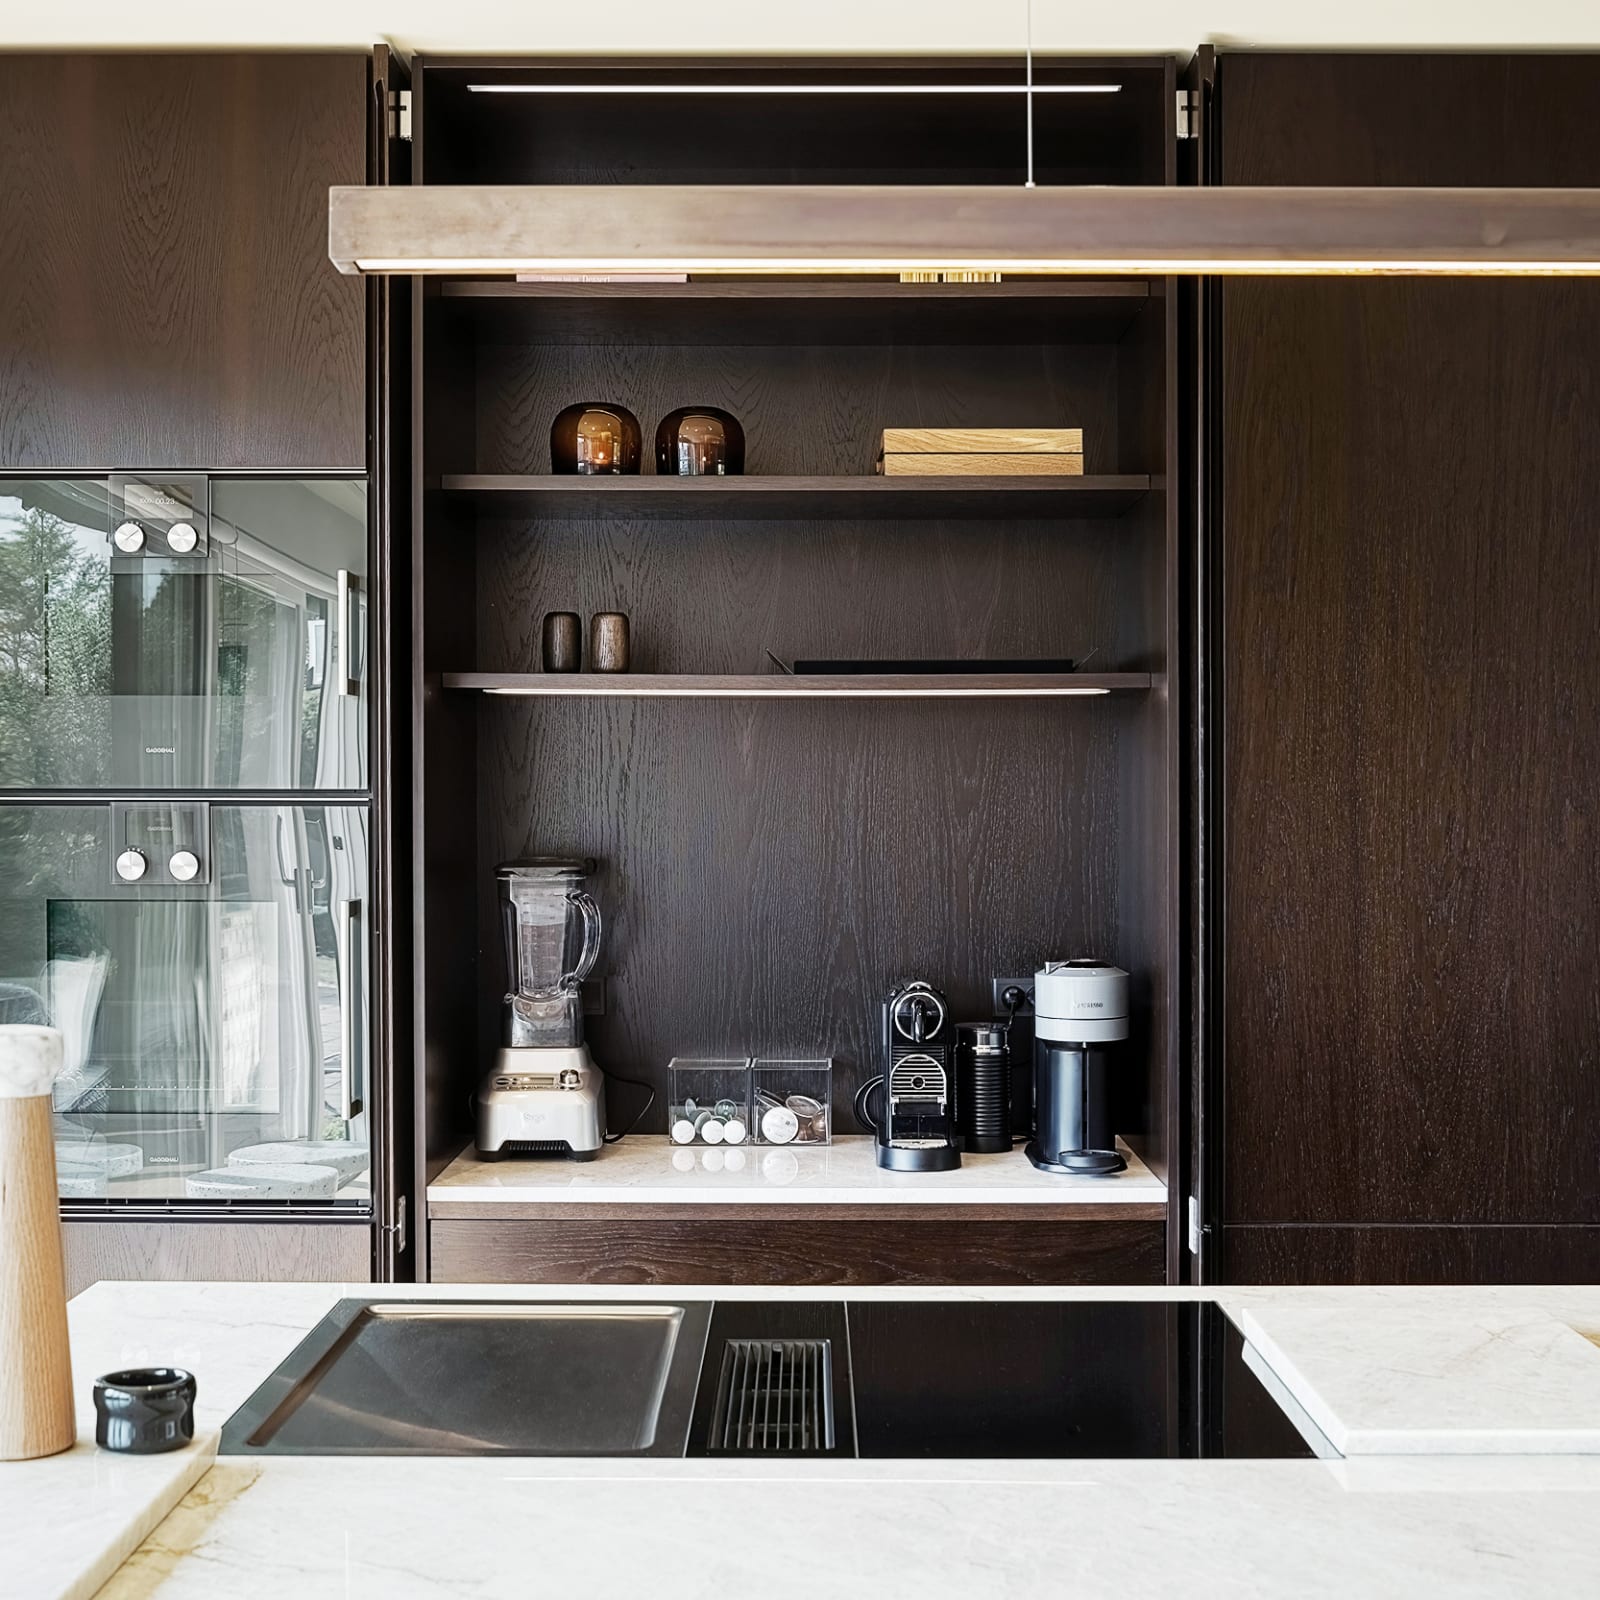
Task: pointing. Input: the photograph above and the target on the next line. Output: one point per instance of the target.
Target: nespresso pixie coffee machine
(1080, 1011)
(544, 1096)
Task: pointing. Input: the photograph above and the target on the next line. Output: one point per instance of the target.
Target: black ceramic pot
(699, 441)
(144, 1410)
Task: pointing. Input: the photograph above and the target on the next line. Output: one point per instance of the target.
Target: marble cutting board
(1398, 1379)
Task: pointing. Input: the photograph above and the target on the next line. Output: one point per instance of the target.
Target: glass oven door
(183, 632)
(207, 965)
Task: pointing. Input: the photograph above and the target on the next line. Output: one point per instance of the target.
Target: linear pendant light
(768, 228)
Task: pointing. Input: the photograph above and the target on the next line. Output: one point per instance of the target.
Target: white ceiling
(816, 26)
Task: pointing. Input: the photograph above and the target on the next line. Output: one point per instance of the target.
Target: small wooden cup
(608, 642)
(562, 642)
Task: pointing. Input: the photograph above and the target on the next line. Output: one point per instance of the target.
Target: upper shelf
(812, 311)
(799, 686)
(772, 496)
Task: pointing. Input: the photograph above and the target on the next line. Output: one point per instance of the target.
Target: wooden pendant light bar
(775, 228)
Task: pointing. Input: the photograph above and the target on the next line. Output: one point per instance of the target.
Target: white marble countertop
(651, 1170)
(387, 1529)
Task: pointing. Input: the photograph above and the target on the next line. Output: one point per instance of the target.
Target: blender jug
(552, 934)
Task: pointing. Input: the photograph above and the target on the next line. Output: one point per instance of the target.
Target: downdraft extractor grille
(774, 1397)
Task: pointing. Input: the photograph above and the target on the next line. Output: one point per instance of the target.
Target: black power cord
(634, 1083)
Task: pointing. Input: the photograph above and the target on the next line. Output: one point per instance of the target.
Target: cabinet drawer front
(794, 1251)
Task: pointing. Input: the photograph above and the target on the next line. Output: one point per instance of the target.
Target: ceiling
(814, 26)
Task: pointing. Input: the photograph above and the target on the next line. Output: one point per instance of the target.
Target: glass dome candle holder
(595, 439)
(699, 441)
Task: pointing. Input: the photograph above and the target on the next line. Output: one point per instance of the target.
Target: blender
(544, 1096)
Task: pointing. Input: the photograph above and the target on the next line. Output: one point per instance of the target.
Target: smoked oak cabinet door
(168, 300)
(1407, 1077)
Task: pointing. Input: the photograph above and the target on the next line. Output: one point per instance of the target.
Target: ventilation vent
(917, 1077)
(774, 1397)
(536, 1147)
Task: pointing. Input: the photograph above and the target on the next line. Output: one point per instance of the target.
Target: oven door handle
(349, 1101)
(349, 585)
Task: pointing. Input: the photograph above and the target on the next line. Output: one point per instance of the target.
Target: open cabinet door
(397, 1195)
(1194, 1256)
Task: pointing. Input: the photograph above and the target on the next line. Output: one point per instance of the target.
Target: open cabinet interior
(767, 868)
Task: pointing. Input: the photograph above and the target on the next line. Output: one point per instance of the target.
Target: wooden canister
(608, 642)
(36, 1410)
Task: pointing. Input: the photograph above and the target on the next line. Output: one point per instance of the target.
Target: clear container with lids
(708, 1100)
(793, 1100)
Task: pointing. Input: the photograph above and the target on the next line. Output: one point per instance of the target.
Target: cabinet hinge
(400, 114)
(398, 1226)
(1188, 114)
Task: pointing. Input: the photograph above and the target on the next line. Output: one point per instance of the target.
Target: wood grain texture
(37, 1413)
(1001, 441)
(769, 869)
(978, 464)
(1137, 228)
(1472, 1254)
(751, 497)
(1412, 702)
(233, 1251)
(723, 311)
(807, 409)
(764, 1251)
(168, 298)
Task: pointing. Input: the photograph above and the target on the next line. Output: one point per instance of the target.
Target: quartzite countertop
(1430, 1368)
(651, 1170)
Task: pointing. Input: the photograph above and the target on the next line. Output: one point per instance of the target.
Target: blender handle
(590, 913)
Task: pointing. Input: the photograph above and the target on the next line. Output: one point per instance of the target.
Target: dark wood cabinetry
(769, 867)
(794, 1245)
(1409, 548)
(168, 299)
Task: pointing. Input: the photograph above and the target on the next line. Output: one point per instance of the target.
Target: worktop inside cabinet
(770, 864)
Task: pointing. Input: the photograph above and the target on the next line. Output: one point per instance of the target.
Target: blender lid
(547, 867)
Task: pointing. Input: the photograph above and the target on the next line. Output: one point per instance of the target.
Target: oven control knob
(184, 865)
(128, 538)
(132, 865)
(182, 538)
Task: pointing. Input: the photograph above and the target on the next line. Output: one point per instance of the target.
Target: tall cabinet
(193, 869)
(1402, 1078)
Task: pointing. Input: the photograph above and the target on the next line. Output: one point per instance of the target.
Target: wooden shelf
(778, 685)
(799, 499)
(815, 310)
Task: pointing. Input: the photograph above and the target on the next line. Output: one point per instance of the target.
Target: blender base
(541, 1102)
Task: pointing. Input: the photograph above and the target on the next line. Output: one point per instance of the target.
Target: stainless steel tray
(400, 1377)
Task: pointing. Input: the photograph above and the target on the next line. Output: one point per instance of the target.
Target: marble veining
(1415, 1378)
(30, 1060)
(361, 1530)
(651, 1169)
(418, 1530)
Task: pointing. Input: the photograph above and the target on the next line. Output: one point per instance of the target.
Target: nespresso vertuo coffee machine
(1080, 1009)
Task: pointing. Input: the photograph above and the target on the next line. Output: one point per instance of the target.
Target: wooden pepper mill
(36, 1409)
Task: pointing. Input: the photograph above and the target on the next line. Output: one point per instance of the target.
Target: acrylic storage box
(792, 1101)
(708, 1100)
